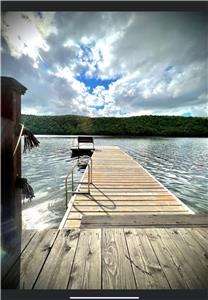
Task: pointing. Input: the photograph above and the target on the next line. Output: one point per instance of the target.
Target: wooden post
(11, 210)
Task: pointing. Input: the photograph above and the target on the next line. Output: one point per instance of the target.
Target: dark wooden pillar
(11, 211)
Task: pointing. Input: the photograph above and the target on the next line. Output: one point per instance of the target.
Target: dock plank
(86, 270)
(112, 203)
(202, 232)
(154, 276)
(34, 257)
(56, 271)
(73, 223)
(27, 236)
(196, 247)
(163, 220)
(194, 254)
(116, 268)
(202, 240)
(32, 260)
(133, 208)
(179, 255)
(125, 198)
(174, 278)
(135, 257)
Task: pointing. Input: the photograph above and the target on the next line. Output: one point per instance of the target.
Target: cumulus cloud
(108, 63)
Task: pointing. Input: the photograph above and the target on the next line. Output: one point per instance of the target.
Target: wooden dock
(113, 258)
(120, 187)
(129, 233)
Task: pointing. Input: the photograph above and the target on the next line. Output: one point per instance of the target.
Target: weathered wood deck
(120, 187)
(129, 233)
(113, 258)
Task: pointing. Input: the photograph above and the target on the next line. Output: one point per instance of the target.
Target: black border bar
(104, 5)
(142, 294)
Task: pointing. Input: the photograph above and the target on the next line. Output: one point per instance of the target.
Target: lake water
(181, 164)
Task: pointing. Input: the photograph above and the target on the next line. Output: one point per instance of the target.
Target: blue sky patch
(45, 66)
(93, 82)
(187, 114)
(87, 53)
(97, 107)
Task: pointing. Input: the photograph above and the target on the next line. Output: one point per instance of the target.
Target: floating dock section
(120, 187)
(83, 145)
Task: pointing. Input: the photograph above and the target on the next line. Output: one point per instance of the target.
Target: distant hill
(170, 126)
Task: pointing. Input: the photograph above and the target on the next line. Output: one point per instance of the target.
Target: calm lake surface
(181, 164)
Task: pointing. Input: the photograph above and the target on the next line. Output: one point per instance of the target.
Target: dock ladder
(80, 161)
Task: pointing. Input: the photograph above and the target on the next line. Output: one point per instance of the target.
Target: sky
(108, 63)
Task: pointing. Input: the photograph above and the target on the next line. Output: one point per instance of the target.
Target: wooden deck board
(154, 276)
(26, 238)
(188, 245)
(32, 259)
(115, 258)
(133, 208)
(86, 269)
(175, 279)
(202, 240)
(116, 268)
(121, 186)
(164, 220)
(179, 256)
(56, 271)
(196, 246)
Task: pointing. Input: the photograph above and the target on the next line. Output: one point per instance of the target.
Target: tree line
(170, 126)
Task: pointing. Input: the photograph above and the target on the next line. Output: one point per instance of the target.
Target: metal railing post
(66, 192)
(89, 178)
(89, 181)
(91, 170)
(72, 180)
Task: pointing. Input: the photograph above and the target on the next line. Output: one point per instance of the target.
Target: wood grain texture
(140, 246)
(116, 267)
(133, 208)
(115, 258)
(27, 236)
(200, 238)
(111, 204)
(32, 259)
(56, 271)
(86, 270)
(179, 256)
(194, 254)
(196, 248)
(174, 277)
(11, 278)
(203, 232)
(158, 220)
(73, 223)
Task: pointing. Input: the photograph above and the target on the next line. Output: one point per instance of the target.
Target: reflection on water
(181, 164)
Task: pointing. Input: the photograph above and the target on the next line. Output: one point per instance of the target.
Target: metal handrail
(71, 172)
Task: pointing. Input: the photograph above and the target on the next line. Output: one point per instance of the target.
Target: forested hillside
(132, 126)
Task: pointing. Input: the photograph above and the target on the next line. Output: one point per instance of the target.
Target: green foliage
(132, 126)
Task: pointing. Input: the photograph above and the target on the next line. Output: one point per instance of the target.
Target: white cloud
(25, 34)
(159, 58)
